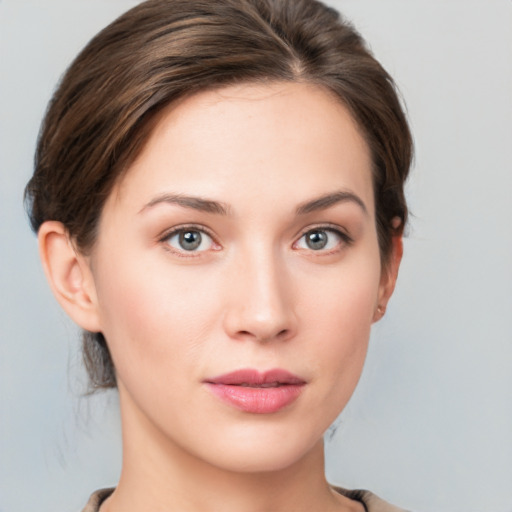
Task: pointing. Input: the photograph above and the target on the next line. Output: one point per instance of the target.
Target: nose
(261, 301)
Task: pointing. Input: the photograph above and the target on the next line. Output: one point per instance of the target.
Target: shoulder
(371, 502)
(96, 499)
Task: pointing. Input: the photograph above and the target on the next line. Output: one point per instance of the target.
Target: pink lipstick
(255, 392)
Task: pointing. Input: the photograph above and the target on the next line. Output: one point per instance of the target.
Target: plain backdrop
(430, 425)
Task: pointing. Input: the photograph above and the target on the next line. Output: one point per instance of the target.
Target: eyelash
(346, 240)
(164, 239)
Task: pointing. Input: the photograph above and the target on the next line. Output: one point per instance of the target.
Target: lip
(257, 392)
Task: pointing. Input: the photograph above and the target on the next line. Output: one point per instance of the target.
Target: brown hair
(161, 50)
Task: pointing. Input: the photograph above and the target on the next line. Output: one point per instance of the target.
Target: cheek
(153, 318)
(345, 299)
(339, 319)
(343, 330)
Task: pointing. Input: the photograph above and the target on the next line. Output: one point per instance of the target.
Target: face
(237, 273)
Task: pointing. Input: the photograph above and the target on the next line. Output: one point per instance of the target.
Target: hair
(108, 101)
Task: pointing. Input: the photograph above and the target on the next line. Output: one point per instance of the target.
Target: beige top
(371, 502)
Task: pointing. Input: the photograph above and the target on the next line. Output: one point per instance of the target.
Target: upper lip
(251, 377)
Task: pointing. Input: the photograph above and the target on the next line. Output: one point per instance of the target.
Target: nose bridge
(262, 302)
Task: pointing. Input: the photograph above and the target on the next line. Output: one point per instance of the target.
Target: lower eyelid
(345, 239)
(164, 239)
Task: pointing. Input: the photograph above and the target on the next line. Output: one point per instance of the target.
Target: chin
(263, 454)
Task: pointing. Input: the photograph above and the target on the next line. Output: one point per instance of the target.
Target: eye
(321, 239)
(189, 240)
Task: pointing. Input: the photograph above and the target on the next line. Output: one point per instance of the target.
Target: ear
(388, 277)
(69, 275)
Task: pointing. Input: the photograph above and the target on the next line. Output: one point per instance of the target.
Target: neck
(161, 476)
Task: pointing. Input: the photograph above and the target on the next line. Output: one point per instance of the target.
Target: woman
(218, 197)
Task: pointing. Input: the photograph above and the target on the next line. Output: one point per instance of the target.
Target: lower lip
(257, 400)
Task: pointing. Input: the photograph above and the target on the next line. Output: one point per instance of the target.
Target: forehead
(275, 141)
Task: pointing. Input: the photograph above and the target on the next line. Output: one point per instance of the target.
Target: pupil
(190, 240)
(316, 240)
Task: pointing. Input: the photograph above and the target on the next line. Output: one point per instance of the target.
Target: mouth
(259, 393)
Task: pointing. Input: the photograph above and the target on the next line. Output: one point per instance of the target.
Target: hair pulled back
(160, 51)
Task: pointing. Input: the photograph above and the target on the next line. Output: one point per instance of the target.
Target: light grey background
(430, 426)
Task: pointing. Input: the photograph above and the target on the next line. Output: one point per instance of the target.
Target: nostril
(264, 337)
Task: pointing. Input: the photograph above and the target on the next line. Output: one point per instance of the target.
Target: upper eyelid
(204, 229)
(183, 227)
(325, 227)
(346, 239)
(182, 253)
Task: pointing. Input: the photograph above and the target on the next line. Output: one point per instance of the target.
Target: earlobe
(69, 275)
(389, 277)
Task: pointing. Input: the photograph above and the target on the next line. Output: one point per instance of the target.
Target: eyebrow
(192, 202)
(328, 200)
(209, 206)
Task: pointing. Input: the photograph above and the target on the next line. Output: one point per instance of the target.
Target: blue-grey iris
(316, 240)
(190, 240)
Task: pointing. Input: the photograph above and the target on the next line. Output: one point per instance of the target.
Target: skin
(254, 294)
